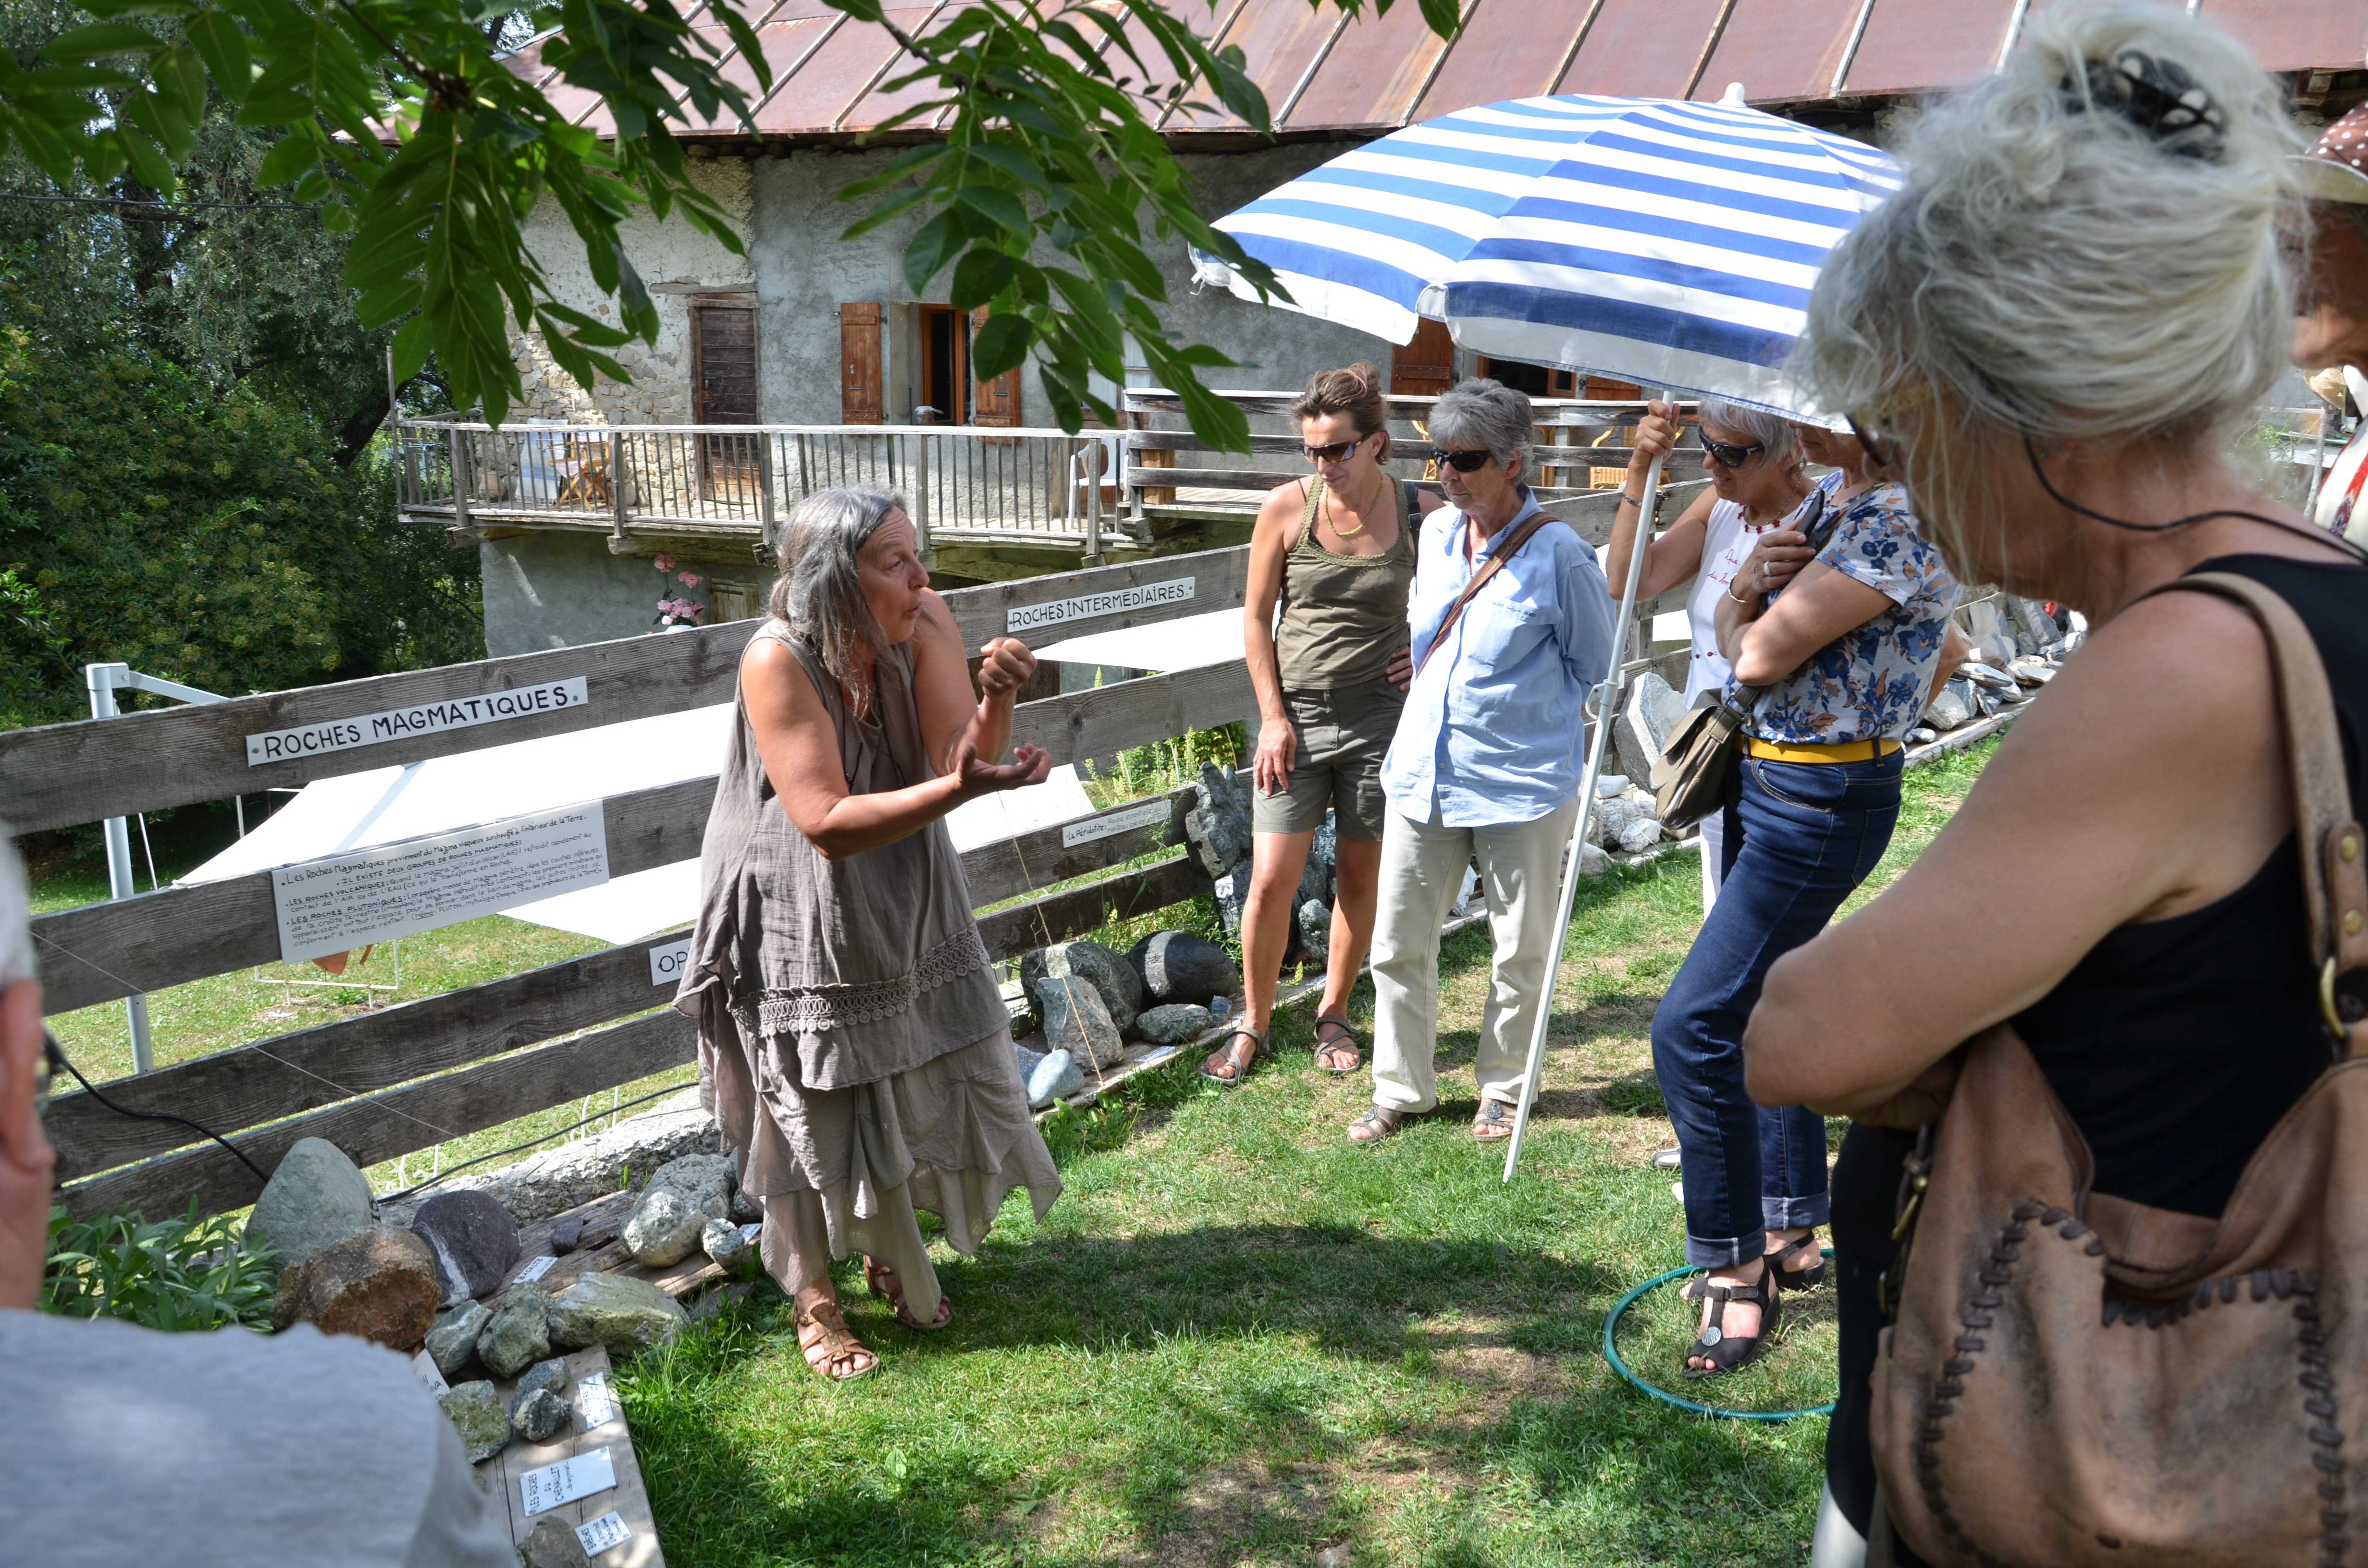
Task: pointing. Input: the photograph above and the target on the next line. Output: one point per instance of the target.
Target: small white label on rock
(602, 1533)
(599, 1402)
(540, 1491)
(430, 1376)
(668, 961)
(1226, 886)
(536, 1267)
(1114, 822)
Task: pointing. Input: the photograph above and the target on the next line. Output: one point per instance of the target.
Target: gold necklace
(1339, 532)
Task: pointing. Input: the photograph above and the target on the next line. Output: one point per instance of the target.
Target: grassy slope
(1237, 1338)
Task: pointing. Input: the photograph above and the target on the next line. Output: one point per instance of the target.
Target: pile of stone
(2017, 647)
(1090, 1001)
(518, 1339)
(1219, 831)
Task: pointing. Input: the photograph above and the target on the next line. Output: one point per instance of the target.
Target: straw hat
(2337, 168)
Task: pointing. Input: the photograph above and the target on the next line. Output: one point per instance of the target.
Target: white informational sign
(430, 1375)
(536, 1267)
(402, 723)
(598, 1403)
(540, 1491)
(1057, 612)
(1086, 832)
(668, 961)
(375, 896)
(602, 1533)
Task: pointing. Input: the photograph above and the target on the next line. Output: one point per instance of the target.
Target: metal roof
(1327, 76)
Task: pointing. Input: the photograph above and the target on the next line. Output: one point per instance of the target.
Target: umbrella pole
(1607, 713)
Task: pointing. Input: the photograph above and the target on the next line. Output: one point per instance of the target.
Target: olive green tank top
(1344, 616)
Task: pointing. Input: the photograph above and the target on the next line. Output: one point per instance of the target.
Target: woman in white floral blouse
(1837, 621)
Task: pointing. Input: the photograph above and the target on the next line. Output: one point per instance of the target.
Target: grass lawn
(1237, 1339)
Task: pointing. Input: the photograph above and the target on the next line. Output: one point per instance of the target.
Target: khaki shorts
(1343, 735)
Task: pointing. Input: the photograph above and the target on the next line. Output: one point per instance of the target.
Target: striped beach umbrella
(1665, 243)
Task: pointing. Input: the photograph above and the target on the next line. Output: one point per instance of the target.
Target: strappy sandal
(1809, 1276)
(1378, 1123)
(1327, 1051)
(824, 1329)
(1724, 1351)
(1495, 1122)
(1241, 1069)
(880, 1281)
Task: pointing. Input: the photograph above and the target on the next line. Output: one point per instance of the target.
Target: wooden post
(460, 466)
(619, 543)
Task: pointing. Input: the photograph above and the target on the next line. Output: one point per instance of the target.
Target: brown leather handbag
(2073, 1380)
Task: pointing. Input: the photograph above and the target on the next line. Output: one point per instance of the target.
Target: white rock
(1611, 784)
(1640, 835)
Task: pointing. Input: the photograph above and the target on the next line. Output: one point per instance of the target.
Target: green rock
(454, 1338)
(550, 1374)
(539, 1415)
(520, 1334)
(626, 1315)
(475, 1411)
(315, 1197)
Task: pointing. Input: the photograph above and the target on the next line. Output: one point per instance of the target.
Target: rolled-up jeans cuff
(1793, 1213)
(1724, 1251)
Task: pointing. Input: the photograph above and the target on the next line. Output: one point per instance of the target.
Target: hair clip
(2157, 96)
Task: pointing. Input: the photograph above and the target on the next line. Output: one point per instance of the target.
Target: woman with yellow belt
(1839, 631)
(1337, 551)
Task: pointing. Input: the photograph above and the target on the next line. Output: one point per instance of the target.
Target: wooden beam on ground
(1073, 913)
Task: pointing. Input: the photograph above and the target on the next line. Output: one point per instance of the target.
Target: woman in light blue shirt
(1486, 761)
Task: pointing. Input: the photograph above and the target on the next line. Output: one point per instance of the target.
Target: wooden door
(1426, 366)
(723, 376)
(859, 399)
(996, 402)
(945, 365)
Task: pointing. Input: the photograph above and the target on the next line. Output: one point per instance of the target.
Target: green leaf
(1011, 161)
(100, 39)
(999, 207)
(294, 153)
(1001, 345)
(1443, 16)
(217, 39)
(980, 276)
(936, 243)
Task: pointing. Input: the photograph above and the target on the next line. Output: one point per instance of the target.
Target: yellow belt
(1841, 751)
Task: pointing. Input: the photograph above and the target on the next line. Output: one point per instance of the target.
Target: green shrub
(192, 1273)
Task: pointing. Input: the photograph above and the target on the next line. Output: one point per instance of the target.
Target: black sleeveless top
(2177, 1044)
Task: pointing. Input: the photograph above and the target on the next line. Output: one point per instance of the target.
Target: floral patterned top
(1871, 681)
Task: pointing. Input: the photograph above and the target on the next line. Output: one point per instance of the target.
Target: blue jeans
(1800, 836)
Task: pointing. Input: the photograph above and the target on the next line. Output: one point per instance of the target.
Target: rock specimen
(1219, 828)
(1648, 718)
(379, 1283)
(1077, 1021)
(1176, 965)
(681, 1198)
(1049, 1075)
(1953, 707)
(538, 1415)
(552, 1543)
(316, 1195)
(550, 1374)
(519, 1333)
(2031, 671)
(1316, 930)
(566, 1234)
(726, 1243)
(475, 1411)
(473, 1238)
(626, 1315)
(1119, 987)
(454, 1338)
(1173, 1022)
(744, 1207)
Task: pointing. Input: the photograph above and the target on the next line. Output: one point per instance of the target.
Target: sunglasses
(1461, 463)
(1338, 452)
(1728, 455)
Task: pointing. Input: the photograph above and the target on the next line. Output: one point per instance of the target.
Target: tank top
(2177, 1044)
(1727, 540)
(1344, 616)
(850, 971)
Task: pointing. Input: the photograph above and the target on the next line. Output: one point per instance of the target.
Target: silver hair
(820, 590)
(2050, 268)
(1778, 435)
(1486, 412)
(16, 927)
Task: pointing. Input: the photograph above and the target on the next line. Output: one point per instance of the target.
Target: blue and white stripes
(1672, 243)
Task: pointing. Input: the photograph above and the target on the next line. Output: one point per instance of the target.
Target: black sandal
(1345, 1040)
(1806, 1278)
(1242, 1069)
(1724, 1351)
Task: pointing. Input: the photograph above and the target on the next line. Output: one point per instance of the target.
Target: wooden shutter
(859, 399)
(1603, 389)
(723, 363)
(996, 402)
(1426, 366)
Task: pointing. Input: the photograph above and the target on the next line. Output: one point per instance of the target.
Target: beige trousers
(795, 1244)
(1422, 867)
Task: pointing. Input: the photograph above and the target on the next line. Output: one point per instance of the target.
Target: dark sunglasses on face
(1338, 452)
(1729, 455)
(1461, 463)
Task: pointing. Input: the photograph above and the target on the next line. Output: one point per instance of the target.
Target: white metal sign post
(1606, 709)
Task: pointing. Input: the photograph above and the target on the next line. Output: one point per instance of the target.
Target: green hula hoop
(1611, 1353)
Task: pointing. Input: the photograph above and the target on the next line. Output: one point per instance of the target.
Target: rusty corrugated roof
(1327, 76)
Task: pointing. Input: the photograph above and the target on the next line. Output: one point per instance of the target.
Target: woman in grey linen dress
(852, 1042)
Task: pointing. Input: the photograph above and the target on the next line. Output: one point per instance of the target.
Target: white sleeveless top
(1726, 545)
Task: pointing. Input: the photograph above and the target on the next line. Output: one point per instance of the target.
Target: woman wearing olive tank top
(1337, 551)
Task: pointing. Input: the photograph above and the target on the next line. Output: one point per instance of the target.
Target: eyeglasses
(1461, 463)
(1728, 455)
(1338, 452)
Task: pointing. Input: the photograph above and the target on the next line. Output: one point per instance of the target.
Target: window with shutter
(1426, 366)
(859, 401)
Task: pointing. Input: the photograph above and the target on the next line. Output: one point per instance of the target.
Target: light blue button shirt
(1493, 731)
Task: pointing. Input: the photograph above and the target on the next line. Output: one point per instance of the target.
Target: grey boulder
(726, 1243)
(538, 1415)
(1077, 1021)
(1316, 930)
(626, 1315)
(550, 1374)
(1173, 1023)
(1178, 966)
(1049, 1075)
(315, 1197)
(552, 1543)
(1112, 976)
(681, 1198)
(1953, 707)
(1218, 828)
(475, 1412)
(473, 1238)
(519, 1333)
(454, 1338)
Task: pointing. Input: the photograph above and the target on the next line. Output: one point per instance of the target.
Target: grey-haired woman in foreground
(852, 1042)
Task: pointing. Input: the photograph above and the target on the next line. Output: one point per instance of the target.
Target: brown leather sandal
(882, 1281)
(1328, 1052)
(823, 1329)
(1241, 1069)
